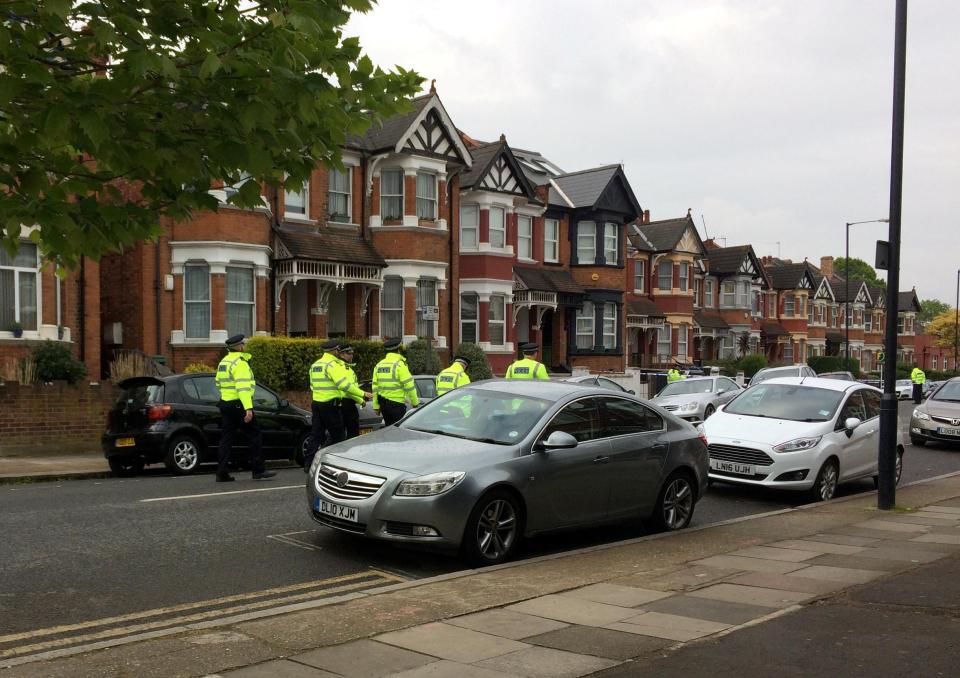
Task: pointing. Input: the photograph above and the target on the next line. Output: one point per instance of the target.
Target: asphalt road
(160, 547)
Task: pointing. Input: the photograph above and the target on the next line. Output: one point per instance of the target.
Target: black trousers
(351, 418)
(917, 393)
(326, 420)
(392, 412)
(231, 421)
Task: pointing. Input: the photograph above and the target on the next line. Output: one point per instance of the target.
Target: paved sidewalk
(47, 466)
(622, 608)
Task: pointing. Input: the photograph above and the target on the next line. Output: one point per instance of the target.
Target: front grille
(671, 408)
(947, 420)
(740, 476)
(742, 455)
(398, 529)
(357, 485)
(330, 521)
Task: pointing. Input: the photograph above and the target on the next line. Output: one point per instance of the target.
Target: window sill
(299, 219)
(525, 260)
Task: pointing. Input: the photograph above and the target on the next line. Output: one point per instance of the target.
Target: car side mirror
(850, 424)
(284, 403)
(631, 391)
(559, 440)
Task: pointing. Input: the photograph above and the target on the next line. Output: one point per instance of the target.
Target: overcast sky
(770, 119)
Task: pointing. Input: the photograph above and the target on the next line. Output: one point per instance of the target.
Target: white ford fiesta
(798, 433)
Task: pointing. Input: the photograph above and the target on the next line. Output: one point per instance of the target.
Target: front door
(859, 448)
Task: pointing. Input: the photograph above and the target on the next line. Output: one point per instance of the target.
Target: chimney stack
(646, 217)
(826, 266)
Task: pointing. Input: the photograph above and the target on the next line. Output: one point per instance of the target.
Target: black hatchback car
(175, 420)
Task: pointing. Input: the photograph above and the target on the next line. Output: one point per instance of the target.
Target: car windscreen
(949, 392)
(763, 375)
(474, 414)
(139, 395)
(687, 387)
(787, 401)
(904, 382)
(426, 388)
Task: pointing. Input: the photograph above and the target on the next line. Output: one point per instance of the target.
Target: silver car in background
(697, 398)
(483, 466)
(939, 417)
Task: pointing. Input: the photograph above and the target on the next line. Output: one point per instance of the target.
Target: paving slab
(507, 624)
(917, 519)
(788, 582)
(845, 539)
(846, 575)
(451, 642)
(934, 538)
(617, 645)
(615, 594)
(720, 611)
(363, 658)
(669, 626)
(448, 669)
(951, 517)
(545, 662)
(858, 562)
(909, 552)
(889, 526)
(791, 555)
(679, 580)
(749, 564)
(934, 586)
(819, 547)
(940, 508)
(573, 610)
(280, 668)
(874, 534)
(752, 595)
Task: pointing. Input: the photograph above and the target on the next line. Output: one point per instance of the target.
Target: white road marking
(223, 494)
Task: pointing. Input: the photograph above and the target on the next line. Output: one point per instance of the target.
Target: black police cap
(235, 340)
(530, 347)
(392, 343)
(464, 359)
(330, 345)
(344, 347)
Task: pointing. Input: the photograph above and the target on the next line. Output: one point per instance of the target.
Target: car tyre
(183, 455)
(919, 442)
(707, 412)
(898, 471)
(825, 486)
(494, 529)
(678, 498)
(300, 452)
(125, 467)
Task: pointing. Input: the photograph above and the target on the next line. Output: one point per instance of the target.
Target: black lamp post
(956, 325)
(846, 274)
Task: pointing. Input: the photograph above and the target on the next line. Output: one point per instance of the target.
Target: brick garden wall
(58, 417)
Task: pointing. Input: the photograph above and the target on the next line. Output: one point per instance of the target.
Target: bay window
(586, 242)
(525, 237)
(19, 297)
(788, 305)
(469, 226)
(682, 342)
(743, 294)
(684, 276)
(708, 292)
(551, 240)
(426, 195)
(611, 240)
(498, 232)
(391, 307)
(426, 297)
(665, 276)
(196, 301)
(728, 294)
(788, 352)
(338, 195)
(391, 194)
(638, 276)
(496, 322)
(468, 318)
(609, 325)
(585, 319)
(664, 342)
(241, 301)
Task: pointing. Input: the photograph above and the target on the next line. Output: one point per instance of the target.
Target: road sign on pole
(880, 357)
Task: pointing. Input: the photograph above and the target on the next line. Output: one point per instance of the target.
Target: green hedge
(834, 363)
(749, 364)
(283, 363)
(422, 358)
(479, 365)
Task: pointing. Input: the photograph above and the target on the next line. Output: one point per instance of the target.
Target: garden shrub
(55, 362)
(479, 365)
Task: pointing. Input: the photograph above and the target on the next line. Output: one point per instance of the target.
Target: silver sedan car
(695, 399)
(484, 466)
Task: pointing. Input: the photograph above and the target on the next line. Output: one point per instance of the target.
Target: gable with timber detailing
(433, 138)
(805, 282)
(689, 243)
(747, 267)
(500, 177)
(824, 291)
(863, 296)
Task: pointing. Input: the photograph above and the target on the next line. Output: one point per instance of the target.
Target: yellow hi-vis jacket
(451, 378)
(674, 375)
(235, 379)
(918, 376)
(352, 381)
(527, 368)
(392, 380)
(329, 380)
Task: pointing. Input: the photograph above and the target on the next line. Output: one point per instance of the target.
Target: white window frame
(667, 340)
(708, 292)
(697, 287)
(665, 264)
(233, 189)
(728, 299)
(524, 236)
(682, 334)
(470, 321)
(551, 246)
(17, 301)
(868, 322)
(384, 196)
(304, 195)
(427, 203)
(789, 305)
(252, 304)
(469, 232)
(391, 309)
(756, 307)
(743, 294)
(684, 276)
(611, 243)
(349, 194)
(587, 242)
(609, 327)
(426, 329)
(497, 301)
(205, 336)
(638, 275)
(500, 229)
(935, 362)
(585, 317)
(788, 352)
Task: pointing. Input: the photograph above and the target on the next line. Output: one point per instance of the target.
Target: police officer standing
(329, 384)
(454, 376)
(348, 405)
(236, 385)
(673, 374)
(393, 384)
(919, 378)
(527, 367)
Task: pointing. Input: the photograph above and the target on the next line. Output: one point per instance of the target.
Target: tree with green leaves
(115, 113)
(859, 270)
(930, 309)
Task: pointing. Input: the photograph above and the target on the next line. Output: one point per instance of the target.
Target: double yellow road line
(19, 645)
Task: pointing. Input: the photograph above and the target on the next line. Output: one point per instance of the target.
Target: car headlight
(689, 407)
(434, 483)
(920, 414)
(798, 444)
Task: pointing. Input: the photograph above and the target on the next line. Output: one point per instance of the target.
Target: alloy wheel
(828, 481)
(496, 529)
(899, 469)
(185, 455)
(677, 504)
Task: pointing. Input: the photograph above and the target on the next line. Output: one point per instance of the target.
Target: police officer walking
(236, 385)
(527, 367)
(673, 374)
(454, 376)
(919, 378)
(393, 385)
(348, 405)
(329, 384)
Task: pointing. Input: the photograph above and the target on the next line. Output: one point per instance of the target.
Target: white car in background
(780, 372)
(798, 433)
